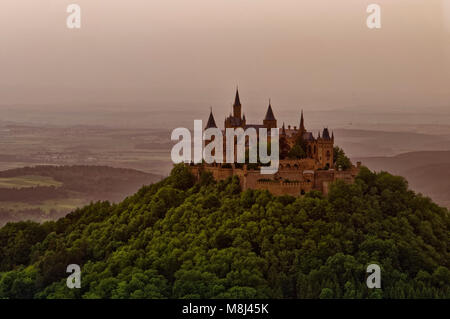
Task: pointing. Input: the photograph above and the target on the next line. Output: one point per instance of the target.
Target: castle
(306, 162)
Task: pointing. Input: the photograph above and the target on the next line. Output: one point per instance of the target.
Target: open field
(47, 192)
(28, 181)
(65, 204)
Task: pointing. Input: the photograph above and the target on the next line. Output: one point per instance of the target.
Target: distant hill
(48, 192)
(365, 143)
(427, 172)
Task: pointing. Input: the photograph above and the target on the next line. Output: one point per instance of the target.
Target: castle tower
(270, 121)
(237, 107)
(235, 120)
(325, 146)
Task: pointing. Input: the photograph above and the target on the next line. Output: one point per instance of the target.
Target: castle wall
(280, 188)
(291, 179)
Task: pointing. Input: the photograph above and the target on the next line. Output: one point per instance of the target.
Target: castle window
(328, 155)
(302, 192)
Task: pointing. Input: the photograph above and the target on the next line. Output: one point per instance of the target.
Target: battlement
(284, 183)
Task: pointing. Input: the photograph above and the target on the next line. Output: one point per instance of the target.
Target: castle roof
(326, 134)
(211, 122)
(269, 114)
(237, 100)
(302, 123)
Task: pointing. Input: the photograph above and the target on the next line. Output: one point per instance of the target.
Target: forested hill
(175, 239)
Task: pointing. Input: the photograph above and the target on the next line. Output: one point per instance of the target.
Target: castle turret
(270, 121)
(237, 107)
(211, 122)
(235, 120)
(326, 134)
(302, 124)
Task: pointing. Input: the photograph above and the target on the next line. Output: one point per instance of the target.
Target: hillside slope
(175, 239)
(426, 172)
(48, 192)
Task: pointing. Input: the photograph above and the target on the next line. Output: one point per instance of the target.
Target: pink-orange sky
(170, 54)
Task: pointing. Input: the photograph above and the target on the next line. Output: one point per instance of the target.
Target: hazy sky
(178, 54)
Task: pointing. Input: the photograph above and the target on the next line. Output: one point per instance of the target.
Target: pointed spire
(283, 130)
(326, 134)
(211, 122)
(237, 100)
(269, 114)
(318, 135)
(302, 123)
(332, 135)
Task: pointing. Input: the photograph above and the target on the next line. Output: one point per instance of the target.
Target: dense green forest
(177, 239)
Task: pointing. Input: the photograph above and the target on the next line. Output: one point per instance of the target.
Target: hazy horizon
(171, 56)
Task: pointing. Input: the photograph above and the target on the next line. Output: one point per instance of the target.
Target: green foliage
(340, 159)
(181, 177)
(296, 152)
(206, 178)
(174, 239)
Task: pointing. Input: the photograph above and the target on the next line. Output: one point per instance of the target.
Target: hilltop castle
(306, 162)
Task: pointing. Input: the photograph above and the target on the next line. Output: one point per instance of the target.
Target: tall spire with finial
(237, 100)
(302, 123)
(237, 107)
